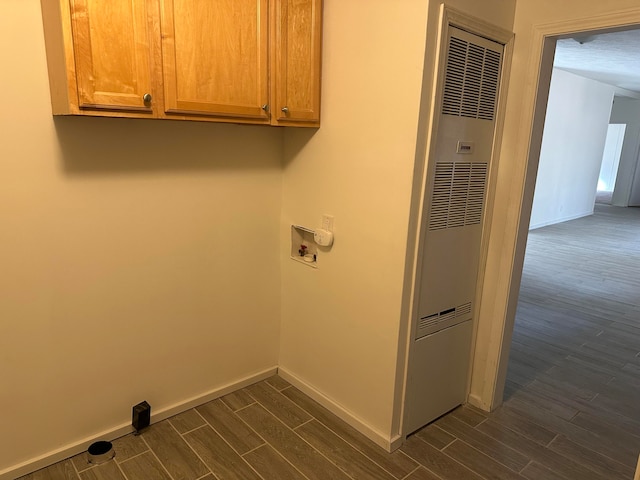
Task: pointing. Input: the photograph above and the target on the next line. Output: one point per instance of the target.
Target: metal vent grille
(489, 89)
(458, 195)
(443, 319)
(463, 309)
(471, 80)
(429, 321)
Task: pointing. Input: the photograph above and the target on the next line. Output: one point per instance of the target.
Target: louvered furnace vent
(444, 319)
(458, 195)
(459, 162)
(471, 81)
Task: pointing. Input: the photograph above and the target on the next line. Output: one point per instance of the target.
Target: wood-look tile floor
(572, 409)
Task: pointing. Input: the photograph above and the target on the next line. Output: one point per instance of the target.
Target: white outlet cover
(327, 222)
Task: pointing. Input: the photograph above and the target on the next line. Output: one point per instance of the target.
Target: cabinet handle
(265, 107)
(285, 110)
(146, 98)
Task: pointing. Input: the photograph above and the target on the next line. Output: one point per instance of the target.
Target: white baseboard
(118, 431)
(560, 220)
(384, 441)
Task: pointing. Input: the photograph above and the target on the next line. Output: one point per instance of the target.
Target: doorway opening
(575, 349)
(610, 163)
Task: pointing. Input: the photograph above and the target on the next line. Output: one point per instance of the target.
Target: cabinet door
(112, 54)
(215, 57)
(297, 57)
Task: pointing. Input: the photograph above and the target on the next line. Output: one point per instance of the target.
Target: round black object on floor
(100, 452)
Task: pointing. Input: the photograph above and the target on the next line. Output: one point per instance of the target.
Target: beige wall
(344, 325)
(510, 222)
(139, 260)
(340, 323)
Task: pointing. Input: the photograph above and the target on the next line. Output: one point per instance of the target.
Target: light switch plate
(327, 223)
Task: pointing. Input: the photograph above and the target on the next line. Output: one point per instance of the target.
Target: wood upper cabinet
(112, 55)
(99, 56)
(244, 61)
(296, 61)
(215, 57)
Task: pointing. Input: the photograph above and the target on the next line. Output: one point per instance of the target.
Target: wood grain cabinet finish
(296, 61)
(113, 58)
(241, 61)
(215, 57)
(99, 57)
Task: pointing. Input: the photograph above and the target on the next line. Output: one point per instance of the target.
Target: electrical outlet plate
(327, 223)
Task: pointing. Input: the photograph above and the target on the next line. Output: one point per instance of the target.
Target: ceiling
(611, 58)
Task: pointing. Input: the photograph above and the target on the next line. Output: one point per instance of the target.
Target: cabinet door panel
(112, 53)
(297, 37)
(215, 57)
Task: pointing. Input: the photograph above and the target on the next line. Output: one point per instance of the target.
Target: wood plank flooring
(572, 408)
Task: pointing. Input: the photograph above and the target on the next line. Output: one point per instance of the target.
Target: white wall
(575, 133)
(627, 111)
(139, 259)
(344, 324)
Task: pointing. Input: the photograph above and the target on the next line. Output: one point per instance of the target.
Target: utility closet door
(456, 193)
